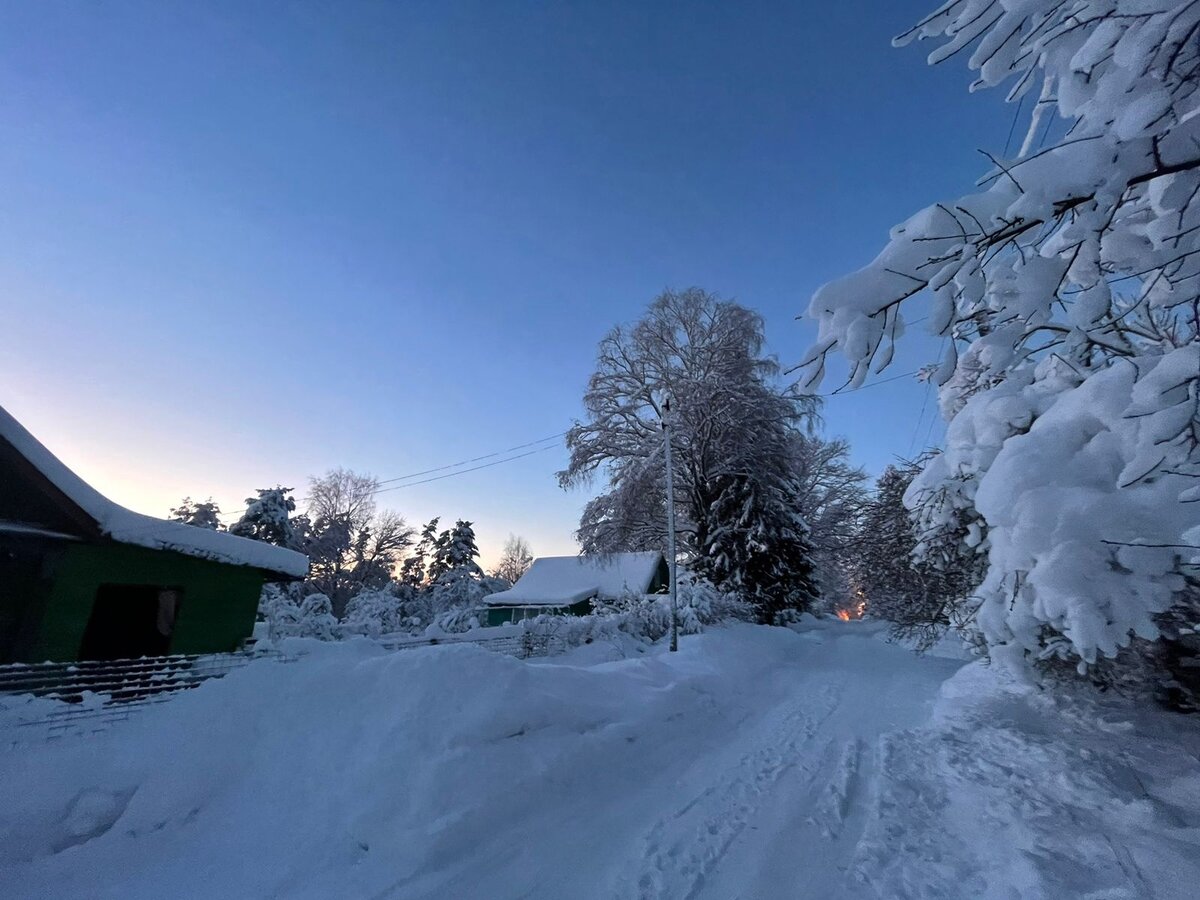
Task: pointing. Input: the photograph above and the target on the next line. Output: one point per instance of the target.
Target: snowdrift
(756, 762)
(348, 773)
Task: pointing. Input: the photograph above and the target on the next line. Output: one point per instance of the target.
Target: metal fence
(95, 694)
(521, 644)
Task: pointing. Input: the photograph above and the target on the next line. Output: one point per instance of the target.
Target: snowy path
(785, 820)
(759, 795)
(755, 764)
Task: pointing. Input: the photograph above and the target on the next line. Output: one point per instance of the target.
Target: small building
(84, 578)
(568, 584)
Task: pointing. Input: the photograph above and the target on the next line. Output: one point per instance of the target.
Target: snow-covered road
(778, 813)
(756, 763)
(814, 766)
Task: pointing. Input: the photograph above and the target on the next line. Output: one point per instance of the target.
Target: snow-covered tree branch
(1068, 287)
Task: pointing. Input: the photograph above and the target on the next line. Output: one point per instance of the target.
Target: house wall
(216, 613)
(26, 564)
(500, 615)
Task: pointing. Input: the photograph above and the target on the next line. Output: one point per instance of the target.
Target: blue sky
(242, 243)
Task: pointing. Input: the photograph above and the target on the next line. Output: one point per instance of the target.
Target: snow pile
(565, 580)
(1012, 794)
(350, 772)
(756, 762)
(128, 527)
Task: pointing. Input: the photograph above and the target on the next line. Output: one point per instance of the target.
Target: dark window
(131, 620)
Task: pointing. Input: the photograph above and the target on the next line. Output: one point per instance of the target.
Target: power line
(380, 490)
(473, 459)
(463, 471)
(912, 442)
(839, 392)
(538, 449)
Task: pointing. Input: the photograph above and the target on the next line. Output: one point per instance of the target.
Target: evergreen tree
(202, 515)
(268, 518)
(455, 551)
(415, 569)
(921, 597)
(456, 581)
(760, 548)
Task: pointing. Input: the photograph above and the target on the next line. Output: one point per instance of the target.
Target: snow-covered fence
(93, 694)
(518, 642)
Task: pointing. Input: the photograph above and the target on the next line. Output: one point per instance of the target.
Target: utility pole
(666, 427)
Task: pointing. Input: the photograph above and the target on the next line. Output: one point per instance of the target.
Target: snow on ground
(755, 763)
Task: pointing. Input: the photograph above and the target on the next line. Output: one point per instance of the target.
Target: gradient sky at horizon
(244, 243)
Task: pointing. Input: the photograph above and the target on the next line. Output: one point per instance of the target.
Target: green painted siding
(25, 567)
(499, 615)
(215, 615)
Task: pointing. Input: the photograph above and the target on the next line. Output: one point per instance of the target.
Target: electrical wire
(839, 392)
(497, 462)
(473, 459)
(456, 465)
(537, 449)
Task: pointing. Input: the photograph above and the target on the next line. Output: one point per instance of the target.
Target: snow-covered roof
(128, 527)
(564, 580)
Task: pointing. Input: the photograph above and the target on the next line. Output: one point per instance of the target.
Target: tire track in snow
(682, 849)
(840, 791)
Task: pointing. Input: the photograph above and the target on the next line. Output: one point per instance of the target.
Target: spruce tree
(761, 549)
(268, 518)
(201, 514)
(921, 594)
(455, 551)
(415, 569)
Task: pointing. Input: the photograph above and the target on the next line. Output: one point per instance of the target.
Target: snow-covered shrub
(699, 602)
(373, 613)
(708, 603)
(290, 613)
(575, 631)
(279, 608)
(454, 621)
(646, 615)
(316, 618)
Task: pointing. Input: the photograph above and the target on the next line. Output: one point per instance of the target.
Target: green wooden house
(567, 585)
(84, 578)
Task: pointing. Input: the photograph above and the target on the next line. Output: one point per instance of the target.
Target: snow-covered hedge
(398, 611)
(648, 616)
